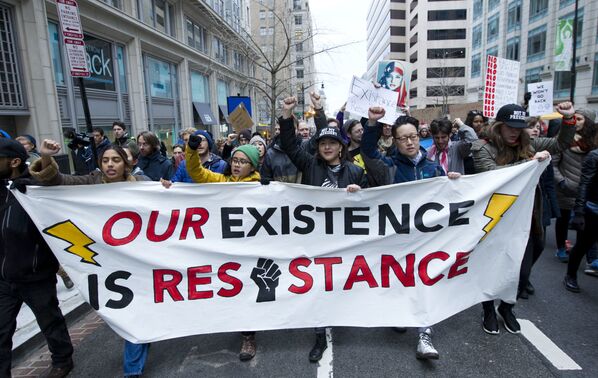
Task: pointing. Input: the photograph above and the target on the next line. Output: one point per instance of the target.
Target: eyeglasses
(239, 161)
(412, 137)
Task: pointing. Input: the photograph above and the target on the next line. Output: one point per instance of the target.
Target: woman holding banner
(114, 167)
(506, 145)
(328, 168)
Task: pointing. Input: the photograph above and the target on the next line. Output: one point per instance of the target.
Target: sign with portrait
(396, 76)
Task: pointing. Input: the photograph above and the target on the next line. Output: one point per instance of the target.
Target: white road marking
(549, 349)
(325, 364)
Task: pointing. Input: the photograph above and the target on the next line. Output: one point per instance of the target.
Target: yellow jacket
(199, 174)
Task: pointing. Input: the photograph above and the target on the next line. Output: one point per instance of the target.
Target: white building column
(185, 98)
(135, 76)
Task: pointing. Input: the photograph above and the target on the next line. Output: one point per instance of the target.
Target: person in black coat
(154, 165)
(327, 168)
(27, 270)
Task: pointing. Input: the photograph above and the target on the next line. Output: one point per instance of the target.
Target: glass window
(537, 9)
(513, 49)
(262, 14)
(492, 51)
(476, 37)
(55, 52)
(122, 76)
(298, 20)
(447, 15)
(299, 74)
(562, 84)
(453, 53)
(476, 65)
(299, 47)
(196, 36)
(533, 75)
(222, 92)
(536, 44)
(595, 78)
(158, 14)
(200, 87)
(492, 4)
(514, 16)
(161, 78)
(444, 34)
(219, 50)
(114, 3)
(564, 3)
(99, 60)
(492, 32)
(478, 8)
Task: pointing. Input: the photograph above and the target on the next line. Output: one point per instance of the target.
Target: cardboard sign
(396, 76)
(541, 101)
(502, 84)
(363, 95)
(240, 118)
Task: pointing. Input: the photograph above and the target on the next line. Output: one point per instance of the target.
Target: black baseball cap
(513, 115)
(10, 148)
(332, 133)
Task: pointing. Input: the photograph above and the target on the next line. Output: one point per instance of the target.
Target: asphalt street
(568, 320)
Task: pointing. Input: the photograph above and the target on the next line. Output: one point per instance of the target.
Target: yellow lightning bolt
(70, 233)
(497, 207)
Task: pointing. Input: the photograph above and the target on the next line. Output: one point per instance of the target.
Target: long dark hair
(588, 134)
(123, 155)
(472, 114)
(509, 154)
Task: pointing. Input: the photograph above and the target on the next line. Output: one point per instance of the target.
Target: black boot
(489, 321)
(320, 346)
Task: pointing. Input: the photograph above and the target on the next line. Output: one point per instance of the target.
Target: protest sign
(502, 83)
(240, 118)
(541, 100)
(363, 95)
(202, 258)
(396, 76)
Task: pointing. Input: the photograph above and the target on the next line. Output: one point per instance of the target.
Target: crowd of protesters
(352, 154)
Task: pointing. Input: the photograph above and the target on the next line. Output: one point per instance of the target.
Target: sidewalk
(27, 326)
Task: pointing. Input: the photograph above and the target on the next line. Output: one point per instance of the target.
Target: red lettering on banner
(406, 277)
(462, 258)
(223, 276)
(151, 228)
(307, 279)
(161, 284)
(423, 267)
(328, 262)
(360, 265)
(193, 281)
(107, 230)
(194, 224)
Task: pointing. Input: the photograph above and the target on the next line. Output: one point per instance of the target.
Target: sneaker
(425, 348)
(522, 294)
(592, 269)
(247, 348)
(320, 346)
(57, 372)
(508, 317)
(562, 255)
(400, 329)
(490, 323)
(571, 284)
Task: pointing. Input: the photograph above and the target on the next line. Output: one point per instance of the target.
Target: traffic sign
(75, 50)
(68, 12)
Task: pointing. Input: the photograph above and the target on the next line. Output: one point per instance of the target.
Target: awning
(205, 113)
(224, 112)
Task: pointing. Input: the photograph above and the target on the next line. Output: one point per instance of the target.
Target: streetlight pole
(574, 56)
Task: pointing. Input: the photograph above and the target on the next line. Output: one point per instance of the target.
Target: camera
(77, 139)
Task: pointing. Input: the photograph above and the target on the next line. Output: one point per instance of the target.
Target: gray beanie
(588, 113)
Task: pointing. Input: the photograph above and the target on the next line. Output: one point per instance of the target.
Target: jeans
(41, 298)
(134, 358)
(585, 240)
(533, 250)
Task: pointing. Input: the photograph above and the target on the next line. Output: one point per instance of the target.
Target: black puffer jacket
(156, 166)
(587, 191)
(315, 170)
(24, 255)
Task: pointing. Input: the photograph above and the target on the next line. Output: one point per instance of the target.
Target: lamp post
(574, 55)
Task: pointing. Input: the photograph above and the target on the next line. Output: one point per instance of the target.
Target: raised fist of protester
(376, 113)
(288, 104)
(541, 156)
(315, 100)
(566, 109)
(49, 147)
(578, 222)
(265, 275)
(194, 141)
(231, 138)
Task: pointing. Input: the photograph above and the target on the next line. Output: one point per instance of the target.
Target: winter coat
(278, 166)
(567, 173)
(395, 168)
(199, 174)
(457, 150)
(588, 183)
(123, 141)
(24, 255)
(156, 166)
(214, 164)
(550, 205)
(315, 170)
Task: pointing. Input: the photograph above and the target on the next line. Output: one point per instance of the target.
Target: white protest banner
(363, 95)
(203, 258)
(541, 100)
(563, 48)
(502, 82)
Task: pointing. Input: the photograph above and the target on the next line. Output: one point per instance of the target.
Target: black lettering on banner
(228, 223)
(285, 227)
(328, 217)
(455, 216)
(125, 292)
(419, 215)
(385, 213)
(92, 285)
(309, 222)
(261, 221)
(351, 218)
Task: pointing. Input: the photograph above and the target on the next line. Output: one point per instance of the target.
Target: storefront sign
(100, 64)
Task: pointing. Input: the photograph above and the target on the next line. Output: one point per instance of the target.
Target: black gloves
(578, 222)
(265, 181)
(20, 184)
(194, 141)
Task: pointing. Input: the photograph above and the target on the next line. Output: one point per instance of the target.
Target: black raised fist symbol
(265, 275)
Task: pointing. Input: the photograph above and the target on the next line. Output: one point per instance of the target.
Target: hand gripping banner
(163, 263)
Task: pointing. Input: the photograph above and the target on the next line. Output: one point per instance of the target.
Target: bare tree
(443, 82)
